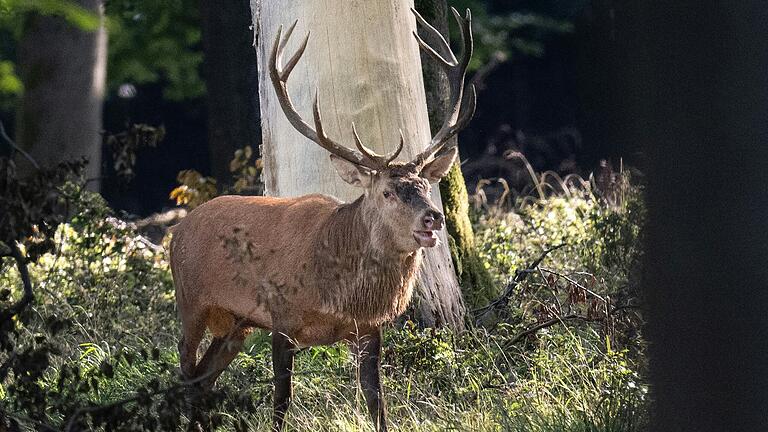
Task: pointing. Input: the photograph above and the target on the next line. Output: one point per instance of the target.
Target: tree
(365, 62)
(63, 69)
(232, 82)
(699, 104)
(474, 277)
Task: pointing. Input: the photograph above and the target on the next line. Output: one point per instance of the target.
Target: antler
(279, 76)
(462, 104)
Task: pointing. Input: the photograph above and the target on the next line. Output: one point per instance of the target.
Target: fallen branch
(549, 323)
(520, 276)
(562, 319)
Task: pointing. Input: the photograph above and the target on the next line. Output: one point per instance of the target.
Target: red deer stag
(311, 269)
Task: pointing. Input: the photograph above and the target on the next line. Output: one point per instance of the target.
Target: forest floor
(562, 351)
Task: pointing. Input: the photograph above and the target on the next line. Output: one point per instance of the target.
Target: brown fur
(311, 269)
(286, 262)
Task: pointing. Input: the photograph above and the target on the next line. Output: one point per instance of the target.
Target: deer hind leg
(229, 334)
(220, 353)
(283, 352)
(368, 349)
(192, 332)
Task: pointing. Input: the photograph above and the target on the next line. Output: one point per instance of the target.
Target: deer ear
(353, 174)
(439, 167)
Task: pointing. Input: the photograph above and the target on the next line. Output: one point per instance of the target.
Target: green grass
(117, 294)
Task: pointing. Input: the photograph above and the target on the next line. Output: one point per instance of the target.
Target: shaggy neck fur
(361, 276)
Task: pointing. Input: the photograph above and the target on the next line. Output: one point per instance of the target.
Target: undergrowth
(583, 371)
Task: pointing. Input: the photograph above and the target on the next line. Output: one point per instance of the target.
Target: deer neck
(365, 278)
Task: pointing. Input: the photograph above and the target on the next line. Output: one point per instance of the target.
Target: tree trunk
(63, 69)
(363, 58)
(474, 277)
(701, 102)
(231, 78)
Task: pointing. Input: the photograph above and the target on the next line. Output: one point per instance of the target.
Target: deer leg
(283, 351)
(192, 331)
(368, 347)
(217, 357)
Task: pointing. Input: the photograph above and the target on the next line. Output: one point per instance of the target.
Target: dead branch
(520, 276)
(549, 323)
(562, 319)
(16, 147)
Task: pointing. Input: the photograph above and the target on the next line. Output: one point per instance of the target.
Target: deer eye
(387, 194)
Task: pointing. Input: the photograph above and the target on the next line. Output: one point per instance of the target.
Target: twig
(28, 295)
(549, 323)
(18, 417)
(520, 276)
(575, 283)
(15, 146)
(96, 408)
(562, 319)
(186, 383)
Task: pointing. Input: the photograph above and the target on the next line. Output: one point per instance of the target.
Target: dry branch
(520, 276)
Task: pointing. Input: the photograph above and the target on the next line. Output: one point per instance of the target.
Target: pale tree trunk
(363, 58)
(232, 82)
(475, 279)
(63, 69)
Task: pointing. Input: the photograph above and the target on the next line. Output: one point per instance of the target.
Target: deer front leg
(283, 351)
(368, 348)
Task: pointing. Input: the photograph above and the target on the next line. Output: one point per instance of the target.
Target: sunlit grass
(117, 293)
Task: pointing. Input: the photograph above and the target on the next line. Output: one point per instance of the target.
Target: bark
(63, 69)
(363, 58)
(231, 78)
(701, 116)
(474, 278)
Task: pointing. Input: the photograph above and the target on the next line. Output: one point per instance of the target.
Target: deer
(312, 269)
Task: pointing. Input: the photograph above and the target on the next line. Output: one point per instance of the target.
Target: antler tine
(330, 145)
(462, 106)
(279, 76)
(444, 47)
(392, 156)
(296, 56)
(465, 115)
(382, 161)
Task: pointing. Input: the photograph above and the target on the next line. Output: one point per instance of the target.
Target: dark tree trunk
(474, 278)
(63, 69)
(232, 81)
(703, 117)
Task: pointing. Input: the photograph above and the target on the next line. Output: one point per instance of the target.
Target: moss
(475, 280)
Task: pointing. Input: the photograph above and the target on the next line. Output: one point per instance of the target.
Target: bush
(97, 350)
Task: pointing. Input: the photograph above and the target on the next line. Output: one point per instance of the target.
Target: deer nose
(433, 220)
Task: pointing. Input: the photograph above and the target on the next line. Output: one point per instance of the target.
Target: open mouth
(425, 238)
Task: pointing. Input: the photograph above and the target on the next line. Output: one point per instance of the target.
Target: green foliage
(72, 12)
(149, 42)
(11, 86)
(516, 34)
(99, 351)
(603, 237)
(156, 41)
(12, 19)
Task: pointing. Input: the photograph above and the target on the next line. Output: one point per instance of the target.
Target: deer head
(396, 195)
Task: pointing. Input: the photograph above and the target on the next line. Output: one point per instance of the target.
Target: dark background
(554, 96)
